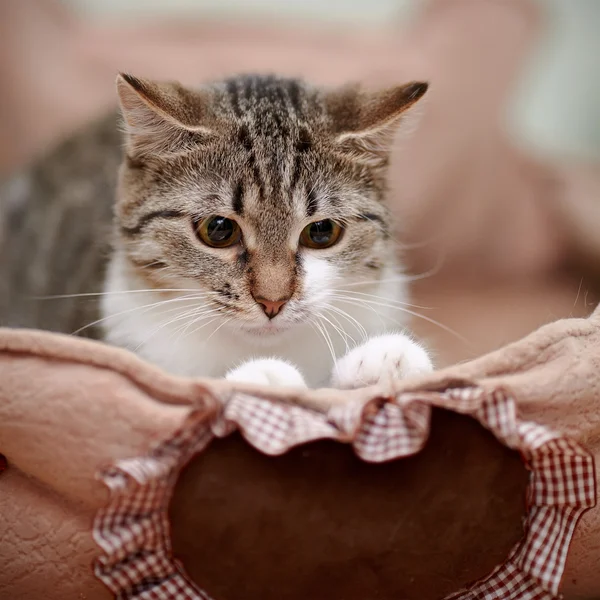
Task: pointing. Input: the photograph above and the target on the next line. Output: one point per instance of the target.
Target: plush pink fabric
(56, 433)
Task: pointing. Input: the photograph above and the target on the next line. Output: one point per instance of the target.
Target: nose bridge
(274, 277)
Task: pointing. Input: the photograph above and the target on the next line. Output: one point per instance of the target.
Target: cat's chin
(267, 331)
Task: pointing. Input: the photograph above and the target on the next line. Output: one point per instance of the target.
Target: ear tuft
(416, 90)
(130, 79)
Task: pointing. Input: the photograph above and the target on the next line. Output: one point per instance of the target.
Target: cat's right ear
(161, 118)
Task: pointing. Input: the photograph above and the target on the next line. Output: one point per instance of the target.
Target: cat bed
(478, 481)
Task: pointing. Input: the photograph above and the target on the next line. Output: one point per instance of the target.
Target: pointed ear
(161, 118)
(364, 123)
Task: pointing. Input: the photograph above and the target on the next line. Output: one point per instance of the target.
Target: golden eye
(218, 232)
(321, 234)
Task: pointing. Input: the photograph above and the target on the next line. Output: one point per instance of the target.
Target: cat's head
(264, 193)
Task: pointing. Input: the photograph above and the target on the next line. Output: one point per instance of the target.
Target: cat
(251, 237)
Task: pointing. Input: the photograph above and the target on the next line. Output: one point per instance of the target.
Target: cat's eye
(321, 234)
(218, 232)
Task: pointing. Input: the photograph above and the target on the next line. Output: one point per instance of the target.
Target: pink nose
(271, 307)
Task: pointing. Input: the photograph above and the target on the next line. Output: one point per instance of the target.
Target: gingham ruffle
(133, 529)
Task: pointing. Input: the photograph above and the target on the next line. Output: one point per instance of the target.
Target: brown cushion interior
(320, 523)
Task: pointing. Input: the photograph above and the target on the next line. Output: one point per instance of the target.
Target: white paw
(380, 360)
(267, 371)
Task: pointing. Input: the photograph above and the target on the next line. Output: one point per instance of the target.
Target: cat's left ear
(365, 123)
(161, 118)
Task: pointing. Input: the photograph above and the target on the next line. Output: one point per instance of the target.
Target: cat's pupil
(321, 232)
(220, 229)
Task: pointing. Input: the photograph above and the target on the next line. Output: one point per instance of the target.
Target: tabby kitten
(250, 221)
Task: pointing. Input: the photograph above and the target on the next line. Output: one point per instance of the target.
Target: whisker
(410, 312)
(340, 332)
(326, 337)
(379, 314)
(199, 328)
(219, 327)
(576, 297)
(145, 307)
(195, 319)
(360, 304)
(415, 245)
(189, 313)
(123, 292)
(360, 328)
(403, 277)
(332, 313)
(385, 298)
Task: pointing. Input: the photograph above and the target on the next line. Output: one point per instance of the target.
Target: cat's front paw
(267, 371)
(380, 360)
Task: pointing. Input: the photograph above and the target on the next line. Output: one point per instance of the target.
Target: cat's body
(56, 231)
(250, 221)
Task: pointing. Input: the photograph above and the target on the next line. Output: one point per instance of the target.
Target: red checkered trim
(133, 529)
